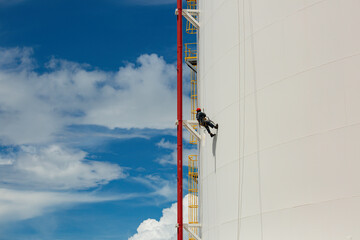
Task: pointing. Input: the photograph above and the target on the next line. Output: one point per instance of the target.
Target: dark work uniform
(201, 117)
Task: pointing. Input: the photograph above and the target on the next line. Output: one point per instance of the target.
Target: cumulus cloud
(35, 107)
(19, 205)
(38, 108)
(143, 96)
(164, 228)
(55, 168)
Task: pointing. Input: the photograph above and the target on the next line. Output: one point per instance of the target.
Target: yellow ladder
(190, 28)
(193, 164)
(193, 200)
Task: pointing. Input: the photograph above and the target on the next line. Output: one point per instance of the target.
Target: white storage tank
(282, 79)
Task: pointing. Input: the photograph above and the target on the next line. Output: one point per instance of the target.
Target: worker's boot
(216, 126)
(211, 134)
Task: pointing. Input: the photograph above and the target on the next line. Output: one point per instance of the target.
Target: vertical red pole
(179, 126)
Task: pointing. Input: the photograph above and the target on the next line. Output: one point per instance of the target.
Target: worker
(205, 122)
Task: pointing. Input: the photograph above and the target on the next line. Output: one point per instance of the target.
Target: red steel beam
(180, 123)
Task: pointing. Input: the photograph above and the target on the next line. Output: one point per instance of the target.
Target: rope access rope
(241, 131)
(257, 114)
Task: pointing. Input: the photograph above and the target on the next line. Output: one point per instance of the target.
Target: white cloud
(5, 161)
(46, 170)
(160, 187)
(35, 107)
(15, 58)
(171, 158)
(164, 228)
(166, 144)
(146, 98)
(20, 205)
(55, 167)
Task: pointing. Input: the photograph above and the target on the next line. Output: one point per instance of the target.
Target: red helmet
(198, 109)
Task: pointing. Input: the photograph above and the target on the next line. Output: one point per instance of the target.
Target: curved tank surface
(282, 79)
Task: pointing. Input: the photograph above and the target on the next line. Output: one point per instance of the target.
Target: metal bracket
(192, 225)
(188, 124)
(191, 66)
(187, 228)
(189, 15)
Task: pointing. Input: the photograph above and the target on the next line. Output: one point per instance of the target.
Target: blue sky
(87, 112)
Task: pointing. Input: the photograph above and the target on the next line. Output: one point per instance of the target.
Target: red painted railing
(179, 126)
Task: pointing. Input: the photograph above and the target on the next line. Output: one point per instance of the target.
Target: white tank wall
(282, 79)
